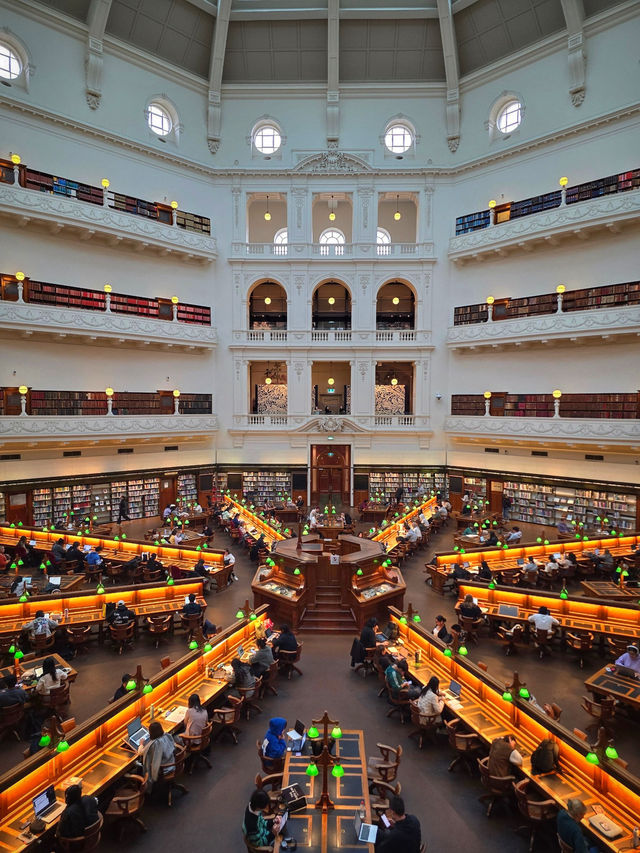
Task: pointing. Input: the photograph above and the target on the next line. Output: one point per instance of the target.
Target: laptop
(54, 580)
(296, 737)
(507, 610)
(136, 733)
(33, 543)
(557, 556)
(626, 671)
(466, 565)
(520, 561)
(454, 690)
(366, 832)
(26, 579)
(46, 806)
(86, 548)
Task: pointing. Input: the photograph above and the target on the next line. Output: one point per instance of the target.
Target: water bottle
(636, 837)
(363, 811)
(66, 613)
(151, 713)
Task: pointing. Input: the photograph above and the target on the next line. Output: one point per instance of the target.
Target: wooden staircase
(327, 615)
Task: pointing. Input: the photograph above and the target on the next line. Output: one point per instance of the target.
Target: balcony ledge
(27, 207)
(36, 430)
(573, 327)
(575, 221)
(102, 328)
(566, 431)
(345, 252)
(403, 337)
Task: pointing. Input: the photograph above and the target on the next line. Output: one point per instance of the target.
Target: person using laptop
(274, 744)
(196, 717)
(431, 700)
(75, 553)
(530, 572)
(551, 565)
(51, 677)
(403, 834)
(484, 571)
(40, 626)
(514, 536)
(469, 609)
(93, 557)
(259, 830)
(18, 586)
(440, 629)
(543, 620)
(9, 693)
(156, 750)
(58, 552)
(569, 827)
(630, 659)
(262, 659)
(285, 641)
(121, 615)
(80, 813)
(193, 608)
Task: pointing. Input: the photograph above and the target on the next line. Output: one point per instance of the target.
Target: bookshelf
(472, 222)
(61, 502)
(45, 293)
(151, 496)
(467, 405)
(42, 507)
(465, 315)
(135, 492)
(187, 487)
(101, 502)
(526, 406)
(6, 174)
(260, 486)
(52, 403)
(199, 315)
(192, 222)
(195, 404)
(615, 406)
(81, 500)
(384, 484)
(118, 490)
(476, 486)
(551, 504)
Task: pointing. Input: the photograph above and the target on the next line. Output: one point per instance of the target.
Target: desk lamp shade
(19, 654)
(170, 581)
(507, 696)
(147, 689)
(337, 771)
(296, 571)
(240, 614)
(207, 647)
(416, 617)
(45, 740)
(252, 617)
(193, 645)
(312, 770)
(524, 693)
(336, 732)
(463, 651)
(100, 589)
(447, 653)
(131, 684)
(611, 752)
(592, 758)
(63, 746)
(359, 572)
(313, 732)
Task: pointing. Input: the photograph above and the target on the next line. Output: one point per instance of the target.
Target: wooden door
(17, 508)
(167, 492)
(331, 473)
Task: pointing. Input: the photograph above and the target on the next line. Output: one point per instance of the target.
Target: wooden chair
(251, 848)
(470, 628)
(172, 771)
(269, 765)
(512, 636)
(535, 812)
(382, 680)
(602, 712)
(153, 575)
(552, 710)
(79, 637)
(221, 578)
(616, 647)
(564, 847)
(367, 665)
(268, 680)
(399, 702)
(83, 843)
(542, 642)
(41, 643)
(466, 745)
(195, 745)
(165, 662)
(115, 573)
(57, 699)
(227, 719)
(192, 624)
(426, 724)
(249, 696)
(384, 767)
(159, 627)
(498, 787)
(272, 785)
(380, 793)
(287, 661)
(122, 635)
(581, 644)
(11, 719)
(126, 805)
(547, 579)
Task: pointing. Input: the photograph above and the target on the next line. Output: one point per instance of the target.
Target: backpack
(544, 758)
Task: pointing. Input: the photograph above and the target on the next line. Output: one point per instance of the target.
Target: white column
(299, 382)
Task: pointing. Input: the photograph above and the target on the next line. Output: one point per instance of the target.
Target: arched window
(267, 139)
(383, 239)
(509, 117)
(398, 138)
(159, 120)
(15, 62)
(505, 115)
(332, 242)
(280, 242)
(162, 119)
(10, 63)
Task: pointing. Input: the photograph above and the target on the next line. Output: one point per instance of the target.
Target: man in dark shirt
(10, 694)
(192, 608)
(80, 813)
(121, 615)
(569, 826)
(122, 690)
(403, 836)
(286, 642)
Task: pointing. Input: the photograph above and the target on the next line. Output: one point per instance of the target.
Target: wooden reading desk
(484, 710)
(610, 590)
(255, 525)
(622, 687)
(89, 608)
(574, 614)
(27, 678)
(320, 832)
(40, 581)
(96, 753)
(389, 534)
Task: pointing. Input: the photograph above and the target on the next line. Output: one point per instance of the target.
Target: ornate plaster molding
(101, 327)
(561, 429)
(572, 220)
(332, 161)
(48, 428)
(26, 205)
(326, 424)
(569, 326)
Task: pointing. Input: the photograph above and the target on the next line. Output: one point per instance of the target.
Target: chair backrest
(291, 656)
(250, 692)
(273, 781)
(11, 715)
(498, 784)
(78, 633)
(175, 768)
(196, 743)
(542, 635)
(564, 847)
(193, 620)
(131, 799)
(516, 632)
(41, 642)
(84, 843)
(159, 624)
(122, 632)
(57, 696)
(468, 624)
(423, 721)
(534, 810)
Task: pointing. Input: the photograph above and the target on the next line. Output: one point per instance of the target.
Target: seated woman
(431, 701)
(440, 629)
(243, 676)
(196, 717)
(469, 609)
(285, 642)
(51, 677)
(484, 572)
(157, 750)
(259, 829)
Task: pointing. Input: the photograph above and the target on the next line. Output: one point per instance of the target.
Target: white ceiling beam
(214, 103)
(333, 73)
(450, 52)
(459, 5)
(207, 6)
(368, 14)
(573, 11)
(96, 23)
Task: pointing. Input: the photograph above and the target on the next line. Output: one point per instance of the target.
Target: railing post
(490, 301)
(107, 298)
(23, 390)
(174, 211)
(560, 289)
(563, 191)
(492, 212)
(105, 192)
(556, 403)
(487, 404)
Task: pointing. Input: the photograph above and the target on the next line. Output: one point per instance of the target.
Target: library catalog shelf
(97, 222)
(318, 251)
(75, 325)
(539, 329)
(549, 227)
(130, 428)
(566, 431)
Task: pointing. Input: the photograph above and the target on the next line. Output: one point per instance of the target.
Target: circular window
(267, 139)
(509, 117)
(159, 120)
(10, 65)
(398, 138)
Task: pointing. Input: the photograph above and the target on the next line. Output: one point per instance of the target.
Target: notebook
(366, 832)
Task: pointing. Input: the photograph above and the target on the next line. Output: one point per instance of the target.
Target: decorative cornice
(569, 221)
(24, 205)
(47, 428)
(543, 328)
(103, 328)
(574, 429)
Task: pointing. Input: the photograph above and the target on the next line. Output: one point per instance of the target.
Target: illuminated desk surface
(574, 614)
(333, 831)
(625, 689)
(39, 582)
(388, 535)
(255, 525)
(484, 710)
(608, 589)
(27, 668)
(88, 608)
(95, 749)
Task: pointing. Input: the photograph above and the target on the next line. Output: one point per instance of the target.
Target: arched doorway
(330, 474)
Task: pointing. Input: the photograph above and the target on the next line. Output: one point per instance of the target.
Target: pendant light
(267, 215)
(332, 213)
(397, 215)
(394, 380)
(396, 300)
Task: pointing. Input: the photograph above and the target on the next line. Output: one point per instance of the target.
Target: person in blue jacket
(274, 744)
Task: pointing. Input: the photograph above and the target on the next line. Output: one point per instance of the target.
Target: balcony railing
(35, 403)
(348, 251)
(331, 423)
(362, 337)
(624, 406)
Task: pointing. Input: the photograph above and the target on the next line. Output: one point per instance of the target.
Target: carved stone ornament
(333, 161)
(213, 144)
(330, 425)
(453, 142)
(93, 100)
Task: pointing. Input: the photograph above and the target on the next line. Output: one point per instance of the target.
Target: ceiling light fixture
(331, 300)
(396, 300)
(267, 215)
(397, 215)
(267, 300)
(332, 213)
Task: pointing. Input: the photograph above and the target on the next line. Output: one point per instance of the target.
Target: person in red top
(3, 559)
